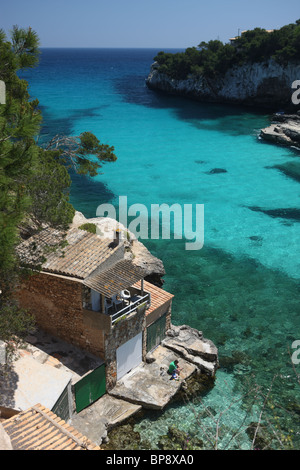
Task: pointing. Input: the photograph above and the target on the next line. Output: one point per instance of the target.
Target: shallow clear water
(242, 288)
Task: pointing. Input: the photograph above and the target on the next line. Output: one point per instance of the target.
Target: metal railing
(131, 307)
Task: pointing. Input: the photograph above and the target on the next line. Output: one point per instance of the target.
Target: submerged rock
(197, 384)
(215, 171)
(125, 438)
(260, 435)
(256, 238)
(176, 439)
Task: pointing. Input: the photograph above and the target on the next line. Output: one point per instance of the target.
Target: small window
(95, 300)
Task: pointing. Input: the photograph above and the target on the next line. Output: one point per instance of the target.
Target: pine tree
(19, 124)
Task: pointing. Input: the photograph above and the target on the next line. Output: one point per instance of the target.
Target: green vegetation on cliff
(214, 58)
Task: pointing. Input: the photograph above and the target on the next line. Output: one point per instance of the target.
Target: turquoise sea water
(242, 288)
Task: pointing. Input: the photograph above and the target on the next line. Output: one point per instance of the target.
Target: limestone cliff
(266, 84)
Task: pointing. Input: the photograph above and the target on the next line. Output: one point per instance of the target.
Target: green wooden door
(90, 388)
(156, 333)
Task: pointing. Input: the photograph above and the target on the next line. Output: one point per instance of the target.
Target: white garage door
(129, 355)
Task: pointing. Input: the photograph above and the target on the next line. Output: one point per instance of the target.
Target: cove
(242, 288)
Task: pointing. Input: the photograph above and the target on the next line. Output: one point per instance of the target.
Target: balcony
(122, 308)
(105, 312)
(113, 295)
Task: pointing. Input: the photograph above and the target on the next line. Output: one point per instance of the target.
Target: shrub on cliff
(214, 58)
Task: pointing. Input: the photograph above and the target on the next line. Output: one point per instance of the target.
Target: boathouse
(86, 291)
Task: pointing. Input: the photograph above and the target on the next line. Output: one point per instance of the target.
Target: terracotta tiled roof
(112, 281)
(158, 296)
(82, 253)
(39, 429)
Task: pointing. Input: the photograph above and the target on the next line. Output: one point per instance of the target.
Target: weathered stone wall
(122, 332)
(168, 317)
(57, 305)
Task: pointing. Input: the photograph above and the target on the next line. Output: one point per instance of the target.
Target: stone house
(89, 293)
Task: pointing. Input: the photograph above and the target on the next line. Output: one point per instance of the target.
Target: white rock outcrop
(284, 130)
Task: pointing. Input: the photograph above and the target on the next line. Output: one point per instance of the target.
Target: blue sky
(143, 23)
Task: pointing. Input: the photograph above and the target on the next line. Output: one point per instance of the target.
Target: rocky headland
(266, 84)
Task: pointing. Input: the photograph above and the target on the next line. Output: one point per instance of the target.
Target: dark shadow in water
(232, 118)
(229, 297)
(64, 125)
(235, 122)
(87, 194)
(290, 169)
(286, 213)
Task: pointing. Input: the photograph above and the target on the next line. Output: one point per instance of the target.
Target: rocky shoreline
(283, 130)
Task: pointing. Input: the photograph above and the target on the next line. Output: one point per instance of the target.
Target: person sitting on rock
(174, 367)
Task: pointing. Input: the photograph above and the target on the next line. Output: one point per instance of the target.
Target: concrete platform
(100, 417)
(149, 385)
(30, 382)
